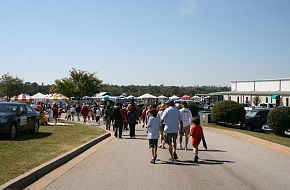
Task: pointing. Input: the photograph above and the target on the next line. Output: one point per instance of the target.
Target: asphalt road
(230, 163)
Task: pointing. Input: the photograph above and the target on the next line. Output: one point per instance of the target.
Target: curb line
(264, 143)
(33, 175)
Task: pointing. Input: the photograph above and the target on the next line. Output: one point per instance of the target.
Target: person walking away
(132, 117)
(162, 107)
(78, 112)
(73, 112)
(93, 113)
(68, 115)
(172, 119)
(153, 127)
(143, 115)
(108, 115)
(196, 133)
(85, 112)
(54, 110)
(118, 120)
(124, 116)
(186, 119)
(98, 115)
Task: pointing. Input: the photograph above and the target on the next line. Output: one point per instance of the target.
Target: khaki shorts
(185, 131)
(170, 137)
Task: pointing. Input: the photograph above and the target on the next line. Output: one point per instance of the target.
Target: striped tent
(21, 98)
(57, 97)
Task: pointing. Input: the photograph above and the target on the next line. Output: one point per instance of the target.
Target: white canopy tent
(146, 96)
(174, 97)
(162, 97)
(39, 96)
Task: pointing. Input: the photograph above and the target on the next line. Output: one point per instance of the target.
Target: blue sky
(170, 42)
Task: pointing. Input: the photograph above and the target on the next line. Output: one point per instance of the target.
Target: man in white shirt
(186, 119)
(172, 119)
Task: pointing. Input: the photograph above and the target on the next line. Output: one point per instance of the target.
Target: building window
(267, 100)
(247, 100)
(287, 102)
(238, 99)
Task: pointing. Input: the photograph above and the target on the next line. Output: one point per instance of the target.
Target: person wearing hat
(172, 120)
(186, 119)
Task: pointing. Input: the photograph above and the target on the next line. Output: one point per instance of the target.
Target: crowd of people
(164, 122)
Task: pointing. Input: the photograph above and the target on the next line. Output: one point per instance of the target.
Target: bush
(193, 108)
(228, 112)
(279, 120)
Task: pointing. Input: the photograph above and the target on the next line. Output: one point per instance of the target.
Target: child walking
(153, 126)
(196, 133)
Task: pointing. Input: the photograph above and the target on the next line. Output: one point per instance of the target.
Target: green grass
(269, 137)
(28, 150)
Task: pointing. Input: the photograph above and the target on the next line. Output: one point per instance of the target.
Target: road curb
(33, 175)
(267, 144)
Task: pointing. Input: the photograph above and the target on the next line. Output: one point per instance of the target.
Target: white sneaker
(180, 147)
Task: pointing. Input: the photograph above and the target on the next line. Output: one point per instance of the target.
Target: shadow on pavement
(211, 150)
(136, 138)
(192, 163)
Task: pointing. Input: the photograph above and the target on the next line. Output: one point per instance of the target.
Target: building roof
(262, 80)
(261, 93)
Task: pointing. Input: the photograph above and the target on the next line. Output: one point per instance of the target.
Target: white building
(275, 91)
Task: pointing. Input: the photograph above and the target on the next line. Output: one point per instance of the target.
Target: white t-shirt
(186, 116)
(171, 118)
(98, 112)
(153, 127)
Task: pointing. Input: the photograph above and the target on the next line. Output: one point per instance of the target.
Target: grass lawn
(29, 150)
(269, 137)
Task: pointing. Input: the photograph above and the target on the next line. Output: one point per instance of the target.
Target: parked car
(267, 105)
(208, 107)
(256, 118)
(266, 128)
(16, 117)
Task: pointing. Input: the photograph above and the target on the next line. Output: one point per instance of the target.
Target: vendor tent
(147, 96)
(57, 97)
(174, 97)
(39, 96)
(21, 98)
(185, 97)
(162, 97)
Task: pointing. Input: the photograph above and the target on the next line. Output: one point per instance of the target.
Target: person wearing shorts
(186, 119)
(153, 126)
(172, 119)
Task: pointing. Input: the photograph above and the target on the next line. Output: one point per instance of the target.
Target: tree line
(82, 83)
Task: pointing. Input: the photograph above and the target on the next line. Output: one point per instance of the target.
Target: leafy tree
(279, 120)
(257, 100)
(137, 90)
(33, 88)
(10, 86)
(78, 84)
(228, 112)
(193, 108)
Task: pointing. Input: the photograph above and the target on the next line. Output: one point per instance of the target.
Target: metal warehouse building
(269, 91)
